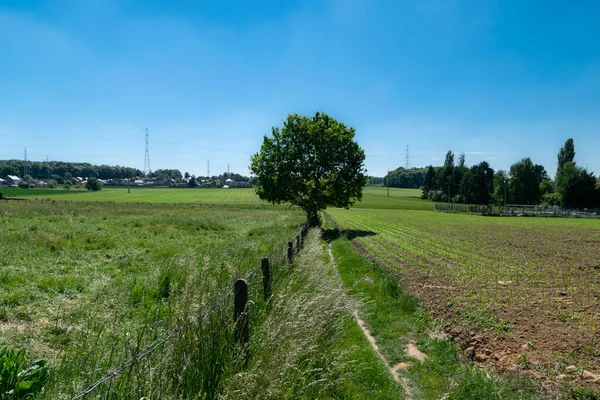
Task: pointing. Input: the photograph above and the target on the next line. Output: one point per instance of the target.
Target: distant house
(3, 182)
(13, 180)
(138, 182)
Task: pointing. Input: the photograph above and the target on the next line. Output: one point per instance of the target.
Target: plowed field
(518, 293)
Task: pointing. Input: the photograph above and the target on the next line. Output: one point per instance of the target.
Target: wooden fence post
(290, 251)
(265, 266)
(240, 315)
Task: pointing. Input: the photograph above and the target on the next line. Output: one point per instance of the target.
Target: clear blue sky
(80, 80)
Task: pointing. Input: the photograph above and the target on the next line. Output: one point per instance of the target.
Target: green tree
(405, 178)
(548, 193)
(524, 182)
(478, 184)
(6, 170)
(446, 180)
(51, 184)
(430, 182)
(312, 163)
(546, 187)
(93, 184)
(501, 184)
(566, 154)
(449, 162)
(461, 161)
(107, 172)
(576, 187)
(67, 184)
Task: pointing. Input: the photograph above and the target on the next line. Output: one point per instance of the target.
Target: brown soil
(537, 345)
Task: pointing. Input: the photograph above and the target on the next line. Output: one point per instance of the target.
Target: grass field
(88, 286)
(528, 286)
(92, 281)
(399, 199)
(373, 197)
(92, 286)
(145, 195)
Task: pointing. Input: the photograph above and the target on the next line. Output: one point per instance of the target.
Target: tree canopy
(576, 186)
(412, 178)
(311, 162)
(93, 184)
(566, 154)
(525, 179)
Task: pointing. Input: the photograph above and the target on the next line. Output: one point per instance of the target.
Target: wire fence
(515, 209)
(156, 377)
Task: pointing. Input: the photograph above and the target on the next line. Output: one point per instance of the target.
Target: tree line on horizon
(525, 183)
(61, 171)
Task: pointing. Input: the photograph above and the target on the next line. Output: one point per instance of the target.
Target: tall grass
(308, 346)
(89, 287)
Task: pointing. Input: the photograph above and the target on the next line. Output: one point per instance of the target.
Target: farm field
(88, 286)
(518, 293)
(373, 197)
(399, 199)
(146, 195)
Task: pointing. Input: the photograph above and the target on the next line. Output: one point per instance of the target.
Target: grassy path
(309, 345)
(373, 342)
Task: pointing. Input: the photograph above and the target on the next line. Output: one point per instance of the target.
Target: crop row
(545, 271)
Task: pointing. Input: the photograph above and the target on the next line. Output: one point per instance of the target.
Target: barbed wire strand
(148, 350)
(152, 347)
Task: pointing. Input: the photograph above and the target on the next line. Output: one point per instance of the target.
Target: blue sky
(80, 80)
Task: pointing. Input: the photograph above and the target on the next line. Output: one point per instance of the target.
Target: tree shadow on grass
(330, 235)
(356, 233)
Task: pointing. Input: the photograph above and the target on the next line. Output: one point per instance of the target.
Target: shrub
(582, 393)
(19, 383)
(93, 184)
(437, 195)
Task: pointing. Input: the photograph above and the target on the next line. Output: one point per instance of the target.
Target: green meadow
(87, 286)
(144, 195)
(135, 300)
(373, 197)
(91, 280)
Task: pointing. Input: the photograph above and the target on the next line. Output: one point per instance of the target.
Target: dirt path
(402, 381)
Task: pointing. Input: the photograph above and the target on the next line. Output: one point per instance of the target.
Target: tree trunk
(313, 219)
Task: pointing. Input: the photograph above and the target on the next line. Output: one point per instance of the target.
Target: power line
(208, 168)
(147, 157)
